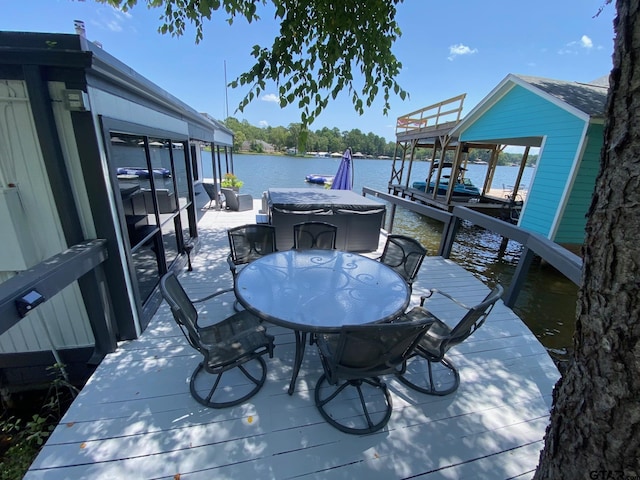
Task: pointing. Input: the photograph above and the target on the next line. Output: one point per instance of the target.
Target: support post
(519, 277)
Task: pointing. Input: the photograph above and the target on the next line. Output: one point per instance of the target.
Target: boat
(463, 187)
(319, 179)
(143, 172)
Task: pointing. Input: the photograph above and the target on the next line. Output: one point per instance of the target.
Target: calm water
(547, 303)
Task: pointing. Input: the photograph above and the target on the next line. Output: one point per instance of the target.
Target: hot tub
(358, 218)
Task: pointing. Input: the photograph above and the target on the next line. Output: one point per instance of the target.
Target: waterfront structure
(563, 119)
(99, 172)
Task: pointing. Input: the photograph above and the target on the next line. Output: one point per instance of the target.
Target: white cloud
(460, 49)
(586, 42)
(270, 97)
(574, 47)
(263, 123)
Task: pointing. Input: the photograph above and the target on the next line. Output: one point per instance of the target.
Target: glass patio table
(316, 291)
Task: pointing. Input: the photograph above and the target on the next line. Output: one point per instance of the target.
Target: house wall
(572, 225)
(521, 113)
(21, 163)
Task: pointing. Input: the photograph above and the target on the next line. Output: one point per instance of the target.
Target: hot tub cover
(315, 199)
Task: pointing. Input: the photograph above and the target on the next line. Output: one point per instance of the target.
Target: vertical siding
(573, 221)
(521, 113)
(21, 163)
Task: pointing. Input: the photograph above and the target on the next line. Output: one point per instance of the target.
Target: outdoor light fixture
(75, 100)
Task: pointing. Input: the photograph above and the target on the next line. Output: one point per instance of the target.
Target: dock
(136, 419)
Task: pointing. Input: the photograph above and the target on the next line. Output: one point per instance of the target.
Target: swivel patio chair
(353, 359)
(405, 255)
(238, 342)
(247, 243)
(437, 341)
(311, 235)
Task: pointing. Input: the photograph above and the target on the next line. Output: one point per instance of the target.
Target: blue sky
(448, 47)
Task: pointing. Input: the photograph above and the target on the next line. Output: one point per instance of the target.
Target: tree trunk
(595, 421)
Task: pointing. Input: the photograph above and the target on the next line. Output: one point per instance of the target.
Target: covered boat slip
(136, 419)
(431, 128)
(562, 119)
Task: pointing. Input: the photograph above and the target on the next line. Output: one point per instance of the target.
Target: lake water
(547, 302)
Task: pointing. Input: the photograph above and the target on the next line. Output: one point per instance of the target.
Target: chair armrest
(232, 266)
(435, 290)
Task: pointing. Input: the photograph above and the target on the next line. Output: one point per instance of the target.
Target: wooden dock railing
(433, 116)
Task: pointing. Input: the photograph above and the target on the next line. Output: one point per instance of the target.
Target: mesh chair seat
(237, 342)
(355, 358)
(233, 339)
(314, 235)
(437, 341)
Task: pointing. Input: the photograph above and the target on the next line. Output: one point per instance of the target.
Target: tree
(595, 420)
(312, 60)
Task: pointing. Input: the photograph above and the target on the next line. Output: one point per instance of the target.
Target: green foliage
(231, 181)
(320, 45)
(27, 437)
(321, 140)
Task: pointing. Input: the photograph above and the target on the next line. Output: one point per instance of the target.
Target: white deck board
(136, 419)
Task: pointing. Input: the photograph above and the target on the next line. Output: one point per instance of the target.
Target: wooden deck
(135, 418)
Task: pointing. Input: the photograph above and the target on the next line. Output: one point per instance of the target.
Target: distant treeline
(326, 139)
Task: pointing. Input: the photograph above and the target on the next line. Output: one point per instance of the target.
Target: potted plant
(231, 181)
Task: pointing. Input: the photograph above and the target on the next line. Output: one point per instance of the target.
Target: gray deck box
(358, 218)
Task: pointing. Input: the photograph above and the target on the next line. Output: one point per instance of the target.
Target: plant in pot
(231, 181)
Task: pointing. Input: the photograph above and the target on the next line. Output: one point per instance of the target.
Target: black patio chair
(210, 188)
(309, 235)
(438, 340)
(237, 342)
(247, 243)
(356, 357)
(405, 255)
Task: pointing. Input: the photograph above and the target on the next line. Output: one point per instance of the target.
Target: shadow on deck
(136, 419)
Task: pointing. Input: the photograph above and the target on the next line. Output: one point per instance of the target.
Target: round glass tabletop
(316, 290)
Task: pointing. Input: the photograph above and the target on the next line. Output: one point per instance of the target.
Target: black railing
(566, 262)
(46, 279)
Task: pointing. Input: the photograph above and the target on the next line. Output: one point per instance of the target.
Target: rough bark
(595, 420)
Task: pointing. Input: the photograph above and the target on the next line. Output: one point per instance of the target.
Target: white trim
(504, 87)
(487, 102)
(554, 100)
(533, 178)
(569, 184)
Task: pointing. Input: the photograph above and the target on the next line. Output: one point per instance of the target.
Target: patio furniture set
(353, 308)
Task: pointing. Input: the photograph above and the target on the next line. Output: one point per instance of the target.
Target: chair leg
(372, 425)
(207, 401)
(432, 386)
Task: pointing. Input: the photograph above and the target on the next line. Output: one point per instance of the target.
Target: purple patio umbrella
(344, 177)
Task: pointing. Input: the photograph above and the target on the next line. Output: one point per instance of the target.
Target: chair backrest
(360, 351)
(210, 188)
(249, 242)
(184, 313)
(231, 197)
(308, 235)
(473, 319)
(403, 254)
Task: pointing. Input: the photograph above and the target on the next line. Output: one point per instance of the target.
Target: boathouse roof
(589, 98)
